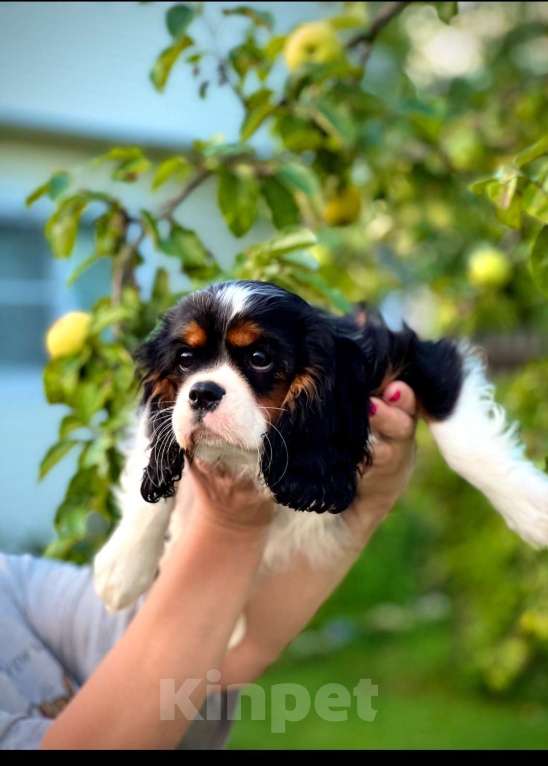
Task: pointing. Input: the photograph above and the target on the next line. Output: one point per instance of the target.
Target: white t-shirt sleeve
(60, 604)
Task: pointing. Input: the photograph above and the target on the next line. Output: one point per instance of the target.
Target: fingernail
(395, 396)
(372, 408)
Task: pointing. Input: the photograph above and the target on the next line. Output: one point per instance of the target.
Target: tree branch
(123, 273)
(367, 38)
(172, 204)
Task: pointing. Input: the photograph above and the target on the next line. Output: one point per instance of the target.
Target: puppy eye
(186, 359)
(260, 361)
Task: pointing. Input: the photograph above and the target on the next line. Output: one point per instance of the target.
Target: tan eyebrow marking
(194, 335)
(244, 333)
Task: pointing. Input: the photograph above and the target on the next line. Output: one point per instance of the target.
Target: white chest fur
(129, 562)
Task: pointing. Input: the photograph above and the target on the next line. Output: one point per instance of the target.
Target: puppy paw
(120, 578)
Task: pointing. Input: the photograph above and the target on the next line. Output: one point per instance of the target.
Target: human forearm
(283, 603)
(180, 633)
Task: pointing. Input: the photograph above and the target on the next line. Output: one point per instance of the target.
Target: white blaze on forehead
(234, 298)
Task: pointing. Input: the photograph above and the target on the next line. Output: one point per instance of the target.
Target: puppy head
(249, 366)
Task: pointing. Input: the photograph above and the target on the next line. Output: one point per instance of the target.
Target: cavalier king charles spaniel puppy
(252, 376)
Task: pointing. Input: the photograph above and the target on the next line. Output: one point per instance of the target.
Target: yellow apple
(312, 43)
(343, 208)
(68, 334)
(488, 267)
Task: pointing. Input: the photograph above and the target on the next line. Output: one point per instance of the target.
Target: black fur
(311, 458)
(313, 452)
(165, 466)
(166, 459)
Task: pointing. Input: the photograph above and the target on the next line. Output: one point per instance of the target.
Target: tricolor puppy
(251, 375)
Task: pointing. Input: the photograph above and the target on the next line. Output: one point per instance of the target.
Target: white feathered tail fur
(478, 443)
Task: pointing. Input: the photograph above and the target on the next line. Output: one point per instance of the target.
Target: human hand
(232, 502)
(393, 422)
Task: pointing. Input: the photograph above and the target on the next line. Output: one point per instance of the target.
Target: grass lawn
(419, 704)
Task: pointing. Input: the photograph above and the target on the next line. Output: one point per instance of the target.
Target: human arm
(284, 602)
(181, 632)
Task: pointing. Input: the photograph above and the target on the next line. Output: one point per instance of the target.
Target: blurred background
(446, 611)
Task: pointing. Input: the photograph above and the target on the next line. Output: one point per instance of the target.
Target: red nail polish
(372, 408)
(395, 396)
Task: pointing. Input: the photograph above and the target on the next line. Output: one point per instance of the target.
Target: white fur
(234, 297)
(126, 566)
(479, 445)
(475, 441)
(128, 563)
(237, 420)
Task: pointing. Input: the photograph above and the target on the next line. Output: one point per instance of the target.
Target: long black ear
(166, 458)
(311, 456)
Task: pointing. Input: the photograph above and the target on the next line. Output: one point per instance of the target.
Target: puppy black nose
(205, 396)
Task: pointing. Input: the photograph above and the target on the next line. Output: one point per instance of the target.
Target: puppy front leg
(128, 562)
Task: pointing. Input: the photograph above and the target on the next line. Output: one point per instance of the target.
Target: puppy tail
(480, 445)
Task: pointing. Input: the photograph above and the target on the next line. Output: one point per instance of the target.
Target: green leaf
(501, 193)
(91, 398)
(119, 154)
(538, 262)
(55, 453)
(195, 259)
(54, 188)
(283, 208)
(150, 225)
(299, 177)
(299, 134)
(164, 63)
(177, 167)
(178, 18)
(259, 18)
(105, 315)
(130, 162)
(69, 424)
(246, 57)
(110, 232)
(58, 184)
(336, 120)
(62, 227)
(284, 243)
(161, 292)
(61, 378)
(131, 170)
(535, 202)
(95, 452)
(40, 191)
(222, 149)
(302, 258)
(237, 197)
(81, 268)
(333, 296)
(258, 108)
(479, 187)
(275, 46)
(532, 152)
(447, 10)
(353, 15)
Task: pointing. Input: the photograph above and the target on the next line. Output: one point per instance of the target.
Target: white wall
(82, 67)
